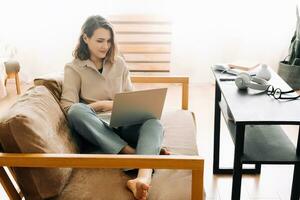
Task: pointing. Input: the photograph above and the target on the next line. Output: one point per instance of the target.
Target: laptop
(135, 107)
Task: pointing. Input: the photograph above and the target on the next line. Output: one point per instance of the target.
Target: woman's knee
(154, 125)
(153, 122)
(76, 111)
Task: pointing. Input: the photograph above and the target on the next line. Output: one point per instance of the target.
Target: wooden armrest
(168, 79)
(194, 163)
(99, 161)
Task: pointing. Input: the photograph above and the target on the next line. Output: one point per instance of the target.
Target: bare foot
(127, 150)
(139, 188)
(164, 151)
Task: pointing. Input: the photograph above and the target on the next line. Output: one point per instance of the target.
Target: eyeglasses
(278, 94)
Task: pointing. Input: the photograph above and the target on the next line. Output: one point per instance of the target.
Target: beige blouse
(83, 82)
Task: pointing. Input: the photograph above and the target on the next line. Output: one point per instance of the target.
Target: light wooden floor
(274, 183)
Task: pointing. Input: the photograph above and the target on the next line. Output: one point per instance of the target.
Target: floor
(274, 183)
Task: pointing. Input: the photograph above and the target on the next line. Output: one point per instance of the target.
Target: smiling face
(99, 44)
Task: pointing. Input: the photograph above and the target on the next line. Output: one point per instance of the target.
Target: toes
(142, 190)
(139, 189)
(144, 195)
(145, 187)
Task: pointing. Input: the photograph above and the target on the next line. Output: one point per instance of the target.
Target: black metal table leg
(257, 168)
(217, 129)
(237, 169)
(295, 194)
(217, 125)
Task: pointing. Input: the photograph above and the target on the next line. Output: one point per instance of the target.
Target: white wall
(204, 31)
(232, 30)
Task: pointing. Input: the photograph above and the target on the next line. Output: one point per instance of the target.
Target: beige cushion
(103, 184)
(36, 124)
(53, 82)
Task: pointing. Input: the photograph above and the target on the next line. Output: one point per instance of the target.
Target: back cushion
(53, 82)
(36, 124)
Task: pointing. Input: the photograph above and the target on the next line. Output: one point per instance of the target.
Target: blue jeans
(146, 138)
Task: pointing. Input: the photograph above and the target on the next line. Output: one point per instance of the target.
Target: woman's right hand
(102, 106)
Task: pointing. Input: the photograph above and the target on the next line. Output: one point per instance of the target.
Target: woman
(90, 82)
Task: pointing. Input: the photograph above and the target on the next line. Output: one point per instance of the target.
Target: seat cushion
(103, 184)
(36, 124)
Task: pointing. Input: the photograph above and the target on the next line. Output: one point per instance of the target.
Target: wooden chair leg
(5, 81)
(8, 185)
(17, 83)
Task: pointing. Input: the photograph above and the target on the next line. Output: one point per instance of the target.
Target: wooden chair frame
(194, 163)
(14, 75)
(144, 41)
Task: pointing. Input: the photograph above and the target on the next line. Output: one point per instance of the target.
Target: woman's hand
(102, 106)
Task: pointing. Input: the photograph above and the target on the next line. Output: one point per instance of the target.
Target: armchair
(184, 178)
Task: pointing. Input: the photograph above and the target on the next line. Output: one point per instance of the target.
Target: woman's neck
(98, 62)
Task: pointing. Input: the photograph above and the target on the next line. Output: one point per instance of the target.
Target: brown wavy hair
(90, 25)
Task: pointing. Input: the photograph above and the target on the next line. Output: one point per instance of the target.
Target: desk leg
(257, 168)
(217, 125)
(295, 194)
(217, 130)
(237, 168)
